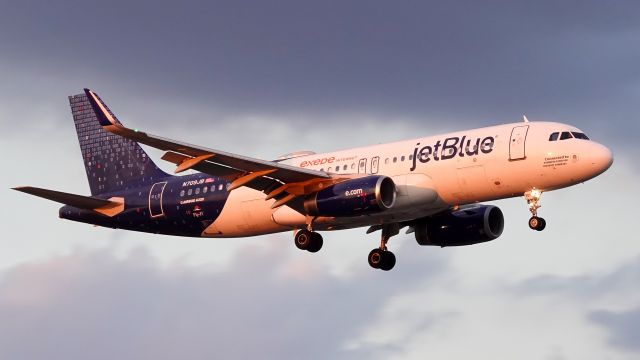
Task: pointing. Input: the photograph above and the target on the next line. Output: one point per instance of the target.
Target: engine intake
(353, 197)
(461, 227)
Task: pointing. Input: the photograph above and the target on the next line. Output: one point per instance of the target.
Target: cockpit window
(554, 136)
(565, 135)
(579, 135)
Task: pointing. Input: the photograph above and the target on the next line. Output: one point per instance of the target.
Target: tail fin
(113, 163)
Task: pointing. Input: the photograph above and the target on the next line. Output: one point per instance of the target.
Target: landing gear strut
(533, 200)
(381, 258)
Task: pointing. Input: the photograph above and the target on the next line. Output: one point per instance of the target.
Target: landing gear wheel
(382, 259)
(537, 223)
(543, 224)
(375, 258)
(533, 200)
(308, 240)
(388, 261)
(303, 239)
(316, 242)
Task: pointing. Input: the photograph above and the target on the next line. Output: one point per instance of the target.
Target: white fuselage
(432, 174)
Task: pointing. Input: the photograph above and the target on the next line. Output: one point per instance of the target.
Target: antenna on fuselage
(524, 118)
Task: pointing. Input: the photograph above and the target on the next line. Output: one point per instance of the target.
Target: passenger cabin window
(395, 159)
(344, 167)
(554, 136)
(565, 135)
(338, 168)
(579, 135)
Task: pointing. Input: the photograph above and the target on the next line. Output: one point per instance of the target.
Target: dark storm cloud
(92, 305)
(460, 59)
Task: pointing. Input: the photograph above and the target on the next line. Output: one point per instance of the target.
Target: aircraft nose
(601, 158)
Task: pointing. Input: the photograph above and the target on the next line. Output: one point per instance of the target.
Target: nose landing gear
(533, 200)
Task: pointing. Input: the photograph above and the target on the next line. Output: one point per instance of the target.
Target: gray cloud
(624, 327)
(617, 286)
(94, 305)
(462, 60)
(586, 285)
(306, 75)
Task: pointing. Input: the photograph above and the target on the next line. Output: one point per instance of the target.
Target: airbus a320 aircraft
(430, 185)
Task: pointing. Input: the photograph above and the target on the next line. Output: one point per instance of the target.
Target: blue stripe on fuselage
(189, 204)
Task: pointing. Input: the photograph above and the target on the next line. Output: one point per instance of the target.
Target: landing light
(536, 193)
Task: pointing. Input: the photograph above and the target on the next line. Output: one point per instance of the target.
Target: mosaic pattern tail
(112, 163)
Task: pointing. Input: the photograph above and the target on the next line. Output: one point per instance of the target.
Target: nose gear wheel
(533, 200)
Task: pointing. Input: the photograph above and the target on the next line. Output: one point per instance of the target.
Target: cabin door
(155, 199)
(517, 143)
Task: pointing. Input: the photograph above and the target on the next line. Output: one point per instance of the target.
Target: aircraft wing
(263, 175)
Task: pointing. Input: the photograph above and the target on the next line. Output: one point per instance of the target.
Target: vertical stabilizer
(112, 162)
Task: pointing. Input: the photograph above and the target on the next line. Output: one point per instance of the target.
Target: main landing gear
(308, 240)
(533, 200)
(381, 258)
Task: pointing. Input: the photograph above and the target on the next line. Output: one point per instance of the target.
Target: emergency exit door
(362, 166)
(517, 149)
(374, 164)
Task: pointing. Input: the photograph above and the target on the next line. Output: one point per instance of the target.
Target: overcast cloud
(266, 78)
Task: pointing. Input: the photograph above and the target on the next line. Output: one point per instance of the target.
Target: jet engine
(466, 226)
(353, 197)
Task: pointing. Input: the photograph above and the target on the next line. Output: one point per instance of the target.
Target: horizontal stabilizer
(109, 207)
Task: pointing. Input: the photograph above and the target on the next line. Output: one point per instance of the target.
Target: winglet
(524, 118)
(104, 117)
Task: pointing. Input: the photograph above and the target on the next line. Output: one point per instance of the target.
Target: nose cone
(601, 158)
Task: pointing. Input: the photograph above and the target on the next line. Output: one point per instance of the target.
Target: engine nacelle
(353, 197)
(461, 227)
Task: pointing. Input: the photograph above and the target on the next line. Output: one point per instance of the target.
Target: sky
(266, 78)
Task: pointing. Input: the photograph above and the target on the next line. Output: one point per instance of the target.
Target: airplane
(433, 186)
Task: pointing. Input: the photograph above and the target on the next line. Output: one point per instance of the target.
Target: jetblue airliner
(432, 185)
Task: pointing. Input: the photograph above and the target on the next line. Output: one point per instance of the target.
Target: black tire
(542, 224)
(303, 239)
(534, 223)
(376, 258)
(316, 242)
(388, 261)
